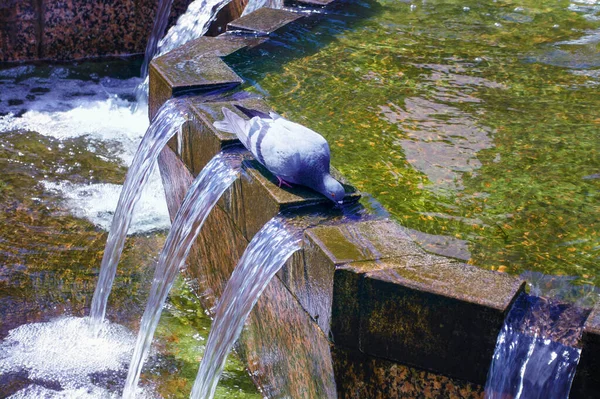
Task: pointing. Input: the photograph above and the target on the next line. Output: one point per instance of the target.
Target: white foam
(39, 392)
(101, 115)
(97, 203)
(109, 119)
(92, 392)
(66, 351)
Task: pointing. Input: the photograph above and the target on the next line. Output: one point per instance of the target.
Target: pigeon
(293, 153)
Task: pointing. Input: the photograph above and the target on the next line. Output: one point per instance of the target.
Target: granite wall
(73, 29)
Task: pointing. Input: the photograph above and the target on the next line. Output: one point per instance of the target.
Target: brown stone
(360, 376)
(327, 248)
(73, 29)
(264, 20)
(286, 351)
(443, 316)
(173, 76)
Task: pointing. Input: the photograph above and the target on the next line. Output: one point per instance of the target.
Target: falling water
(265, 255)
(158, 30)
(535, 356)
(201, 197)
(169, 119)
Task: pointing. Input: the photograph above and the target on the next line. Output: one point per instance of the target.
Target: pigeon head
(332, 189)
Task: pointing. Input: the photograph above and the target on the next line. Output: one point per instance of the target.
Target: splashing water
(265, 255)
(201, 197)
(169, 119)
(61, 357)
(535, 356)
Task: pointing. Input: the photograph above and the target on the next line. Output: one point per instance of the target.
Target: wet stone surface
(264, 21)
(360, 376)
(587, 381)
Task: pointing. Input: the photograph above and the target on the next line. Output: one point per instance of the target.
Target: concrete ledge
(285, 351)
(373, 289)
(264, 21)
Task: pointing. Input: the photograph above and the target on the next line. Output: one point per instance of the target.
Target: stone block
(327, 248)
(219, 245)
(587, 379)
(264, 21)
(286, 352)
(20, 30)
(173, 76)
(18, 40)
(439, 316)
(360, 376)
(176, 179)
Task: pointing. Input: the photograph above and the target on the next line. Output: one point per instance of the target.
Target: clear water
(474, 123)
(67, 135)
(265, 255)
(167, 122)
(203, 194)
(536, 355)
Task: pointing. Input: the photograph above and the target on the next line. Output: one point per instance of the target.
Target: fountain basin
(361, 310)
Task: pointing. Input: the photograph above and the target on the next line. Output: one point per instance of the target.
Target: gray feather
(289, 150)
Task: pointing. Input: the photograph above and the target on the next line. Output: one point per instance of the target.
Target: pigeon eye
(332, 195)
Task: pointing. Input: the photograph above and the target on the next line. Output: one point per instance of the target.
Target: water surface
(475, 124)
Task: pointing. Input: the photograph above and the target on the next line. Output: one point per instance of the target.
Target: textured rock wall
(73, 29)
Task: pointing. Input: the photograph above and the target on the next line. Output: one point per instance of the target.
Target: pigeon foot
(281, 181)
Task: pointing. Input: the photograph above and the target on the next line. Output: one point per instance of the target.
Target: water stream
(158, 30)
(167, 122)
(265, 255)
(536, 355)
(200, 199)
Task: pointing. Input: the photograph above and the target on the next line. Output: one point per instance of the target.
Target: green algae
(182, 334)
(474, 123)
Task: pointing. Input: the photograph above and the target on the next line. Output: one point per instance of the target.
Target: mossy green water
(474, 123)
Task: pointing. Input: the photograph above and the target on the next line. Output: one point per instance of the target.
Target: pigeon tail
(233, 124)
(251, 113)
